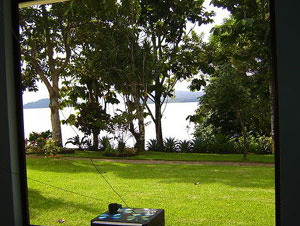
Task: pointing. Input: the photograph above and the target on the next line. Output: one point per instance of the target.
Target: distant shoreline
(180, 97)
(186, 102)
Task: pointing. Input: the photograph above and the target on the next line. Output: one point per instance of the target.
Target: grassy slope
(225, 195)
(185, 156)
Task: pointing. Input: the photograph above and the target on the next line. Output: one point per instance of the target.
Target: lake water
(174, 122)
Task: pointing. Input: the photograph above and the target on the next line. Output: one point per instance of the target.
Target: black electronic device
(130, 217)
(114, 207)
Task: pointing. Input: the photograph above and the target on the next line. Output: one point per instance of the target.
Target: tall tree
(248, 31)
(127, 62)
(90, 96)
(227, 104)
(84, 88)
(46, 43)
(242, 42)
(118, 55)
(165, 24)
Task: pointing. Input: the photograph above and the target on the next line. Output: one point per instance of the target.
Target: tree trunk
(95, 141)
(158, 124)
(245, 142)
(55, 120)
(244, 135)
(139, 142)
(141, 137)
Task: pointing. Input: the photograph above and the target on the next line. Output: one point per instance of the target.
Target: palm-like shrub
(104, 143)
(185, 146)
(170, 144)
(126, 152)
(152, 145)
(199, 145)
(222, 144)
(76, 141)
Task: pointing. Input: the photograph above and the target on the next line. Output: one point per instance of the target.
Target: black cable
(109, 184)
(99, 172)
(53, 186)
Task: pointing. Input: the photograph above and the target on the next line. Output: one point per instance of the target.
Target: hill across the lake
(42, 103)
(180, 97)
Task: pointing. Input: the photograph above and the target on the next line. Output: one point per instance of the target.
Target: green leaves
(197, 84)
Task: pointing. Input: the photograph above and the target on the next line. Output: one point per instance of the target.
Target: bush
(170, 144)
(214, 143)
(127, 152)
(210, 140)
(265, 145)
(80, 143)
(37, 141)
(204, 141)
(104, 143)
(51, 148)
(33, 136)
(130, 151)
(121, 146)
(185, 146)
(223, 144)
(67, 150)
(152, 145)
(256, 145)
(199, 145)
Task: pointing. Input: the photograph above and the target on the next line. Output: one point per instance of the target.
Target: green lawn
(224, 195)
(149, 155)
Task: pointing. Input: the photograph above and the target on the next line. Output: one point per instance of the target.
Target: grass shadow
(237, 176)
(40, 202)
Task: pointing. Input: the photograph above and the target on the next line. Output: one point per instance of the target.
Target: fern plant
(170, 144)
(80, 143)
(104, 143)
(152, 145)
(185, 146)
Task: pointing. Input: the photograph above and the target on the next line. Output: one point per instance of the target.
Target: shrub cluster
(51, 148)
(119, 150)
(81, 143)
(42, 143)
(218, 144)
(170, 144)
(126, 152)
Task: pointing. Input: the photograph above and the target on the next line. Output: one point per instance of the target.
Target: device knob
(114, 207)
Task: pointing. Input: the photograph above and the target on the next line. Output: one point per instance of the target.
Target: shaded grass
(149, 155)
(224, 195)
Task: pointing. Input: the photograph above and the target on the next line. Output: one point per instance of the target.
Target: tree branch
(169, 90)
(151, 97)
(150, 112)
(38, 70)
(48, 41)
(68, 52)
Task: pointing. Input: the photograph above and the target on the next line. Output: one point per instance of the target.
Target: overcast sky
(218, 19)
